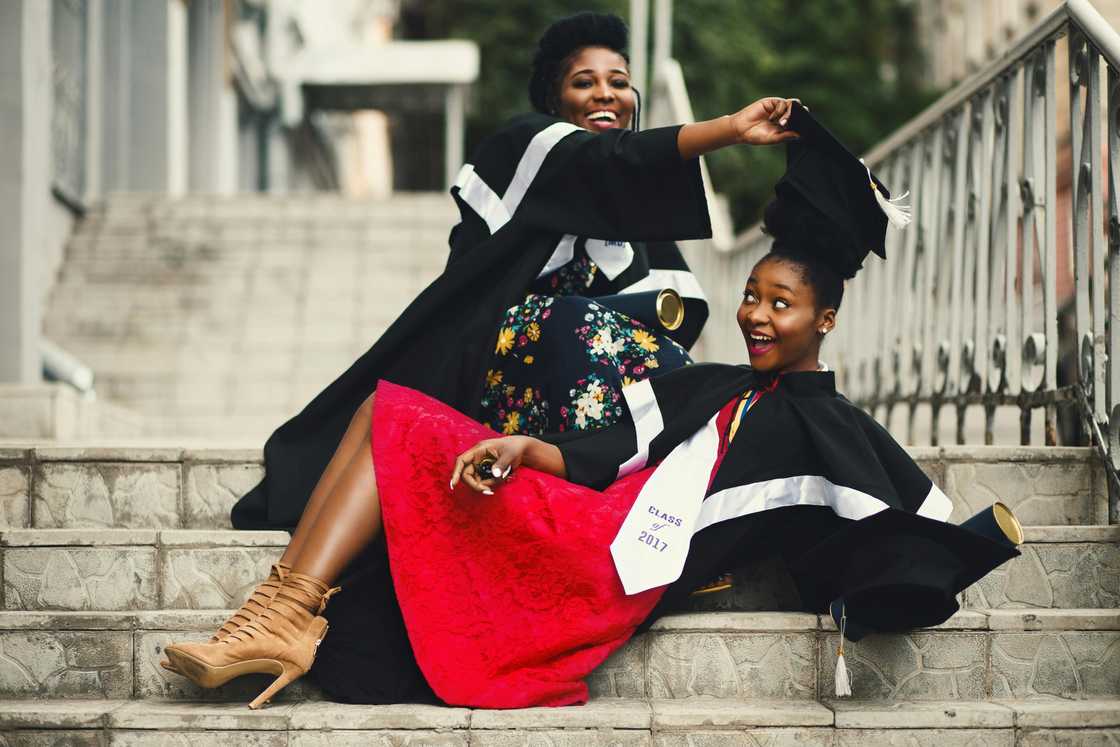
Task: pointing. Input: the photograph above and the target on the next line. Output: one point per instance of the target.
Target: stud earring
(823, 331)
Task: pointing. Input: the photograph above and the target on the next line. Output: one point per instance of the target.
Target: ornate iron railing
(995, 305)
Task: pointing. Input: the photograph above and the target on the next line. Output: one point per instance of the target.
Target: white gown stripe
(648, 423)
(612, 257)
(801, 490)
(937, 505)
(531, 160)
(481, 199)
(682, 281)
(652, 544)
(564, 252)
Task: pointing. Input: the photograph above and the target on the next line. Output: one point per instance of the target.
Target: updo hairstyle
(805, 238)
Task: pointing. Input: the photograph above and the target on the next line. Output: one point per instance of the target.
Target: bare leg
(354, 441)
(347, 521)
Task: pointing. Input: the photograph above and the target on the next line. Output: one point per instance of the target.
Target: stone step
(238, 275)
(629, 723)
(975, 655)
(124, 569)
(106, 486)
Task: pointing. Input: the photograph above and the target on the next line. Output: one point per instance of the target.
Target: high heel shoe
(257, 602)
(722, 582)
(281, 640)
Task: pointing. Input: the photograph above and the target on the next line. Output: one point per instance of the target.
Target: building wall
(961, 36)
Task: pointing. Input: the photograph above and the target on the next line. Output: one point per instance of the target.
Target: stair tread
(690, 713)
(1000, 620)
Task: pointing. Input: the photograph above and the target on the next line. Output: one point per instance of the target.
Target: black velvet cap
(824, 179)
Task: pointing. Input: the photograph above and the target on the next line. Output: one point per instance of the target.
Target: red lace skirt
(509, 600)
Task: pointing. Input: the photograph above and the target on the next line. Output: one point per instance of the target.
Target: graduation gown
(511, 600)
(851, 513)
(529, 193)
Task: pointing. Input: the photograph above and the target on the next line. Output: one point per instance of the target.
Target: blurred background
(212, 206)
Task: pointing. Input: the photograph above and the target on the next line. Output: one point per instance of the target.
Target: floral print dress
(561, 359)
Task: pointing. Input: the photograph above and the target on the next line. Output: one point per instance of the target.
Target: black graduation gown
(526, 188)
(810, 477)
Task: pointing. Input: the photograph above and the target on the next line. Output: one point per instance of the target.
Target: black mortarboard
(824, 177)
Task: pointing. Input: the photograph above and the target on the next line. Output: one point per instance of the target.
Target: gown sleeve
(595, 458)
(540, 173)
(659, 414)
(619, 185)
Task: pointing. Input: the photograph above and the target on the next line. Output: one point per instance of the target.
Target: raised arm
(760, 123)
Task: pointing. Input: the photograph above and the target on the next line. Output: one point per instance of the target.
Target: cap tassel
(898, 214)
(843, 681)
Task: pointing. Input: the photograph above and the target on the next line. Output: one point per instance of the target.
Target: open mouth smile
(602, 119)
(760, 344)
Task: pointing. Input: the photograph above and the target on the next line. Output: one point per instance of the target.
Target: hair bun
(803, 233)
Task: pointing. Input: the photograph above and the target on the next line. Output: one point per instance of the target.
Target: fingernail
(496, 471)
(506, 473)
(783, 122)
(451, 485)
(488, 491)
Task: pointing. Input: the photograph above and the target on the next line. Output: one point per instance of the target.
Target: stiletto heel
(286, 678)
(282, 641)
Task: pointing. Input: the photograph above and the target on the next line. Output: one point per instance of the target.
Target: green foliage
(854, 62)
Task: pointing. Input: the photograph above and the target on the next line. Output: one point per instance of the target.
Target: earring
(823, 330)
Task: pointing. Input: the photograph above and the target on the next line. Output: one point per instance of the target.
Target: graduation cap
(825, 180)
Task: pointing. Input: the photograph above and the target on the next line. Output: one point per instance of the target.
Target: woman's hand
(507, 454)
(764, 122)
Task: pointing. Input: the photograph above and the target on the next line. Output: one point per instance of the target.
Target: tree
(855, 62)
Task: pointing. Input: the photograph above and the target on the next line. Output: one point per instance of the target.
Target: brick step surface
(140, 569)
(975, 655)
(695, 722)
(165, 487)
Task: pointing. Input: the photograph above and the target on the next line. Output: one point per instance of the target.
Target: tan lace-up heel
(257, 602)
(281, 640)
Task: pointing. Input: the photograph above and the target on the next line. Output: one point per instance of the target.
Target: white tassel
(843, 684)
(843, 681)
(898, 214)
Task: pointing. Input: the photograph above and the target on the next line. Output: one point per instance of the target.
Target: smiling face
(780, 319)
(595, 91)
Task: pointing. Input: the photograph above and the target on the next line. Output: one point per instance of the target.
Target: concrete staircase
(109, 553)
(223, 316)
(217, 318)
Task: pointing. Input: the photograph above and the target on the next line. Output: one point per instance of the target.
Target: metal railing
(995, 304)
